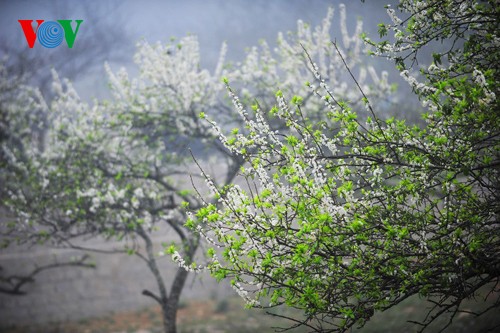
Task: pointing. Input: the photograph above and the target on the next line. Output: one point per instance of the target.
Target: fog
(111, 29)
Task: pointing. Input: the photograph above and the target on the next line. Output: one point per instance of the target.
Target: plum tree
(349, 215)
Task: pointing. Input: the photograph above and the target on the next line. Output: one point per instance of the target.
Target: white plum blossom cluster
(479, 78)
(288, 68)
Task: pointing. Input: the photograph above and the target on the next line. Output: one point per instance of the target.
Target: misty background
(111, 29)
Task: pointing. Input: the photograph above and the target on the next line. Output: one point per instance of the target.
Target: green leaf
(382, 30)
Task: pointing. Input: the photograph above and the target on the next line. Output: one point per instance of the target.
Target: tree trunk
(170, 308)
(169, 304)
(153, 267)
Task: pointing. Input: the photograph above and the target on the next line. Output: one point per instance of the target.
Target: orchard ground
(229, 315)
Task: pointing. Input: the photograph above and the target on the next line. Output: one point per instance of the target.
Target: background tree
(121, 168)
(349, 216)
(20, 67)
(33, 67)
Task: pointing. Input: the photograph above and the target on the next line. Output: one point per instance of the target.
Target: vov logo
(50, 34)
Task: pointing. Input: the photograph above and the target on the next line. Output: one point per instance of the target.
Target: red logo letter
(29, 33)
